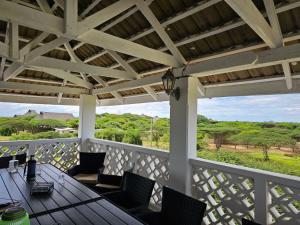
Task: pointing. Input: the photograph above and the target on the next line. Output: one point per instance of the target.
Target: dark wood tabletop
(69, 203)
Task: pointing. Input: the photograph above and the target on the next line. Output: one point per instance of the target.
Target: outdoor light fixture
(169, 80)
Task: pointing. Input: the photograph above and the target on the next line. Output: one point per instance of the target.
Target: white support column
(183, 132)
(87, 119)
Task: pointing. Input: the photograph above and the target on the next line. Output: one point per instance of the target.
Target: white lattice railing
(62, 153)
(233, 192)
(147, 162)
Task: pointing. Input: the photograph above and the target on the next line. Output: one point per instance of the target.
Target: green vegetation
(264, 145)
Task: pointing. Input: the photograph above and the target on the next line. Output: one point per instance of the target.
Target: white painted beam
(71, 17)
(275, 26)
(200, 88)
(66, 76)
(3, 59)
(244, 61)
(151, 80)
(143, 7)
(252, 16)
(89, 8)
(287, 74)
(14, 70)
(104, 15)
(28, 17)
(14, 40)
(103, 40)
(32, 44)
(41, 88)
(44, 6)
(4, 50)
(47, 62)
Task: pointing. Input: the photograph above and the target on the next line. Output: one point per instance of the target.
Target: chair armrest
(110, 179)
(74, 170)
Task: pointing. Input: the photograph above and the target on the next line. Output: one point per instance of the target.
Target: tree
(243, 138)
(46, 125)
(133, 137)
(219, 133)
(266, 140)
(202, 141)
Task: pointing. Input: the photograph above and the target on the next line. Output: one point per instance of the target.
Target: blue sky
(250, 108)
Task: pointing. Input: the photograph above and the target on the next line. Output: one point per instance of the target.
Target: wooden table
(69, 203)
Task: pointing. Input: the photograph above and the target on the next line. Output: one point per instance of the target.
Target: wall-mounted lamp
(169, 80)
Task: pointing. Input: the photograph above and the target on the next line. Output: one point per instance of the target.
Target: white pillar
(87, 119)
(183, 134)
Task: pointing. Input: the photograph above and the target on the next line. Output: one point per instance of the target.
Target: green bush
(133, 137)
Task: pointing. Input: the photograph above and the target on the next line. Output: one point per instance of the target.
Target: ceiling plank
(47, 62)
(253, 17)
(104, 15)
(143, 7)
(66, 76)
(103, 40)
(40, 88)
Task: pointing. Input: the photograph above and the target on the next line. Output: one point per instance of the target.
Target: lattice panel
(155, 168)
(63, 155)
(229, 197)
(7, 150)
(117, 160)
(284, 207)
(96, 147)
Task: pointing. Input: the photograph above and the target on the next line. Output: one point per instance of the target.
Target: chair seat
(108, 186)
(87, 178)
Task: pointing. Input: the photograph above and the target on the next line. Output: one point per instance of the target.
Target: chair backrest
(22, 158)
(248, 222)
(178, 209)
(91, 162)
(4, 161)
(138, 188)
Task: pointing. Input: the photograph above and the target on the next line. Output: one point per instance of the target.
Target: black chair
(4, 161)
(134, 194)
(22, 158)
(109, 183)
(91, 165)
(248, 222)
(177, 209)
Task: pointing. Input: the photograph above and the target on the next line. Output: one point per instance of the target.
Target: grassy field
(4, 138)
(279, 161)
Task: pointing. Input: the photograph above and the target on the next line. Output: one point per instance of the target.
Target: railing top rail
(131, 147)
(40, 141)
(286, 180)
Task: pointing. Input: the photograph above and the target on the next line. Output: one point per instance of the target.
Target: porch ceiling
(111, 60)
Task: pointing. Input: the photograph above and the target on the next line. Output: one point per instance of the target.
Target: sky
(279, 108)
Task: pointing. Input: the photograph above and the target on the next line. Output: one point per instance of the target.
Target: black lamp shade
(168, 80)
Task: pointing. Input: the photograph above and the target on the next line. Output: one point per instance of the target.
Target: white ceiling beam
(104, 15)
(71, 17)
(275, 26)
(43, 4)
(200, 88)
(47, 62)
(32, 44)
(3, 59)
(4, 50)
(66, 76)
(28, 17)
(186, 13)
(245, 61)
(89, 8)
(16, 68)
(287, 74)
(104, 84)
(103, 40)
(14, 40)
(143, 7)
(253, 17)
(45, 48)
(151, 80)
(40, 88)
(60, 94)
(129, 68)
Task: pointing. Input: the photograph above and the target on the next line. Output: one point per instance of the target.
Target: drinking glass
(61, 178)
